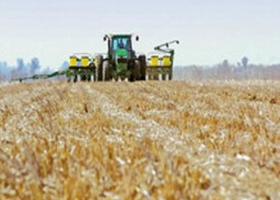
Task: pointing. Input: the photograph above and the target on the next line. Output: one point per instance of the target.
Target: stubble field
(143, 140)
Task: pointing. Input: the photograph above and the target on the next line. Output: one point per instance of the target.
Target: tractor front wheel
(143, 67)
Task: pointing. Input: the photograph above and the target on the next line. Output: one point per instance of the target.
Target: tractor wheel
(131, 78)
(143, 67)
(135, 71)
(99, 67)
(170, 76)
(132, 75)
(106, 72)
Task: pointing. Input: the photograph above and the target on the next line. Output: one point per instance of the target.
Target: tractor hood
(121, 53)
(121, 61)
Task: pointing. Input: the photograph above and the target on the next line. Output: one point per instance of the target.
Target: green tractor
(121, 61)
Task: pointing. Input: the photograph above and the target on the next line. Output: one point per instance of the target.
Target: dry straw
(147, 140)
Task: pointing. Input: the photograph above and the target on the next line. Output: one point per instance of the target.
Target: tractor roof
(120, 35)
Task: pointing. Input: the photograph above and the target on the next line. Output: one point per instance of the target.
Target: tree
(34, 65)
(245, 61)
(225, 64)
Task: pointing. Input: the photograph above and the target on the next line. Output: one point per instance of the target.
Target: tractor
(119, 63)
(122, 62)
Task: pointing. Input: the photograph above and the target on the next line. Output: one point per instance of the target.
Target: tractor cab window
(121, 43)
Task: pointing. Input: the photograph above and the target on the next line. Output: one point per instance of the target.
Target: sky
(209, 31)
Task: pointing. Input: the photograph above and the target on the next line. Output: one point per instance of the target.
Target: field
(143, 140)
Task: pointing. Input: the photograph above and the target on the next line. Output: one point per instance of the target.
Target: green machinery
(121, 62)
(42, 76)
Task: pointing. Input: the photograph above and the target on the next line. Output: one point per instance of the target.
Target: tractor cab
(121, 43)
(120, 46)
(120, 56)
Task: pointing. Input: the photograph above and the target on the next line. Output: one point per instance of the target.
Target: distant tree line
(222, 71)
(225, 70)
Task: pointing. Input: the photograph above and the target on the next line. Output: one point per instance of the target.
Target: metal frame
(153, 72)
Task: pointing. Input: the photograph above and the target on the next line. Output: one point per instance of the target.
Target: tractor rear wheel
(99, 70)
(135, 71)
(106, 71)
(143, 67)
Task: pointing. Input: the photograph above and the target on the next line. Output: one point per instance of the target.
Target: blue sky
(209, 30)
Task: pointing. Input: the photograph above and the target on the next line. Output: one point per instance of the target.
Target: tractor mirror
(137, 38)
(105, 38)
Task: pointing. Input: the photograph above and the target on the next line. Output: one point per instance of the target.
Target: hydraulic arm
(165, 48)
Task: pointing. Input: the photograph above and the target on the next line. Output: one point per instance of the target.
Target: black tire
(143, 67)
(170, 76)
(131, 78)
(137, 70)
(132, 74)
(106, 71)
(134, 68)
(99, 68)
